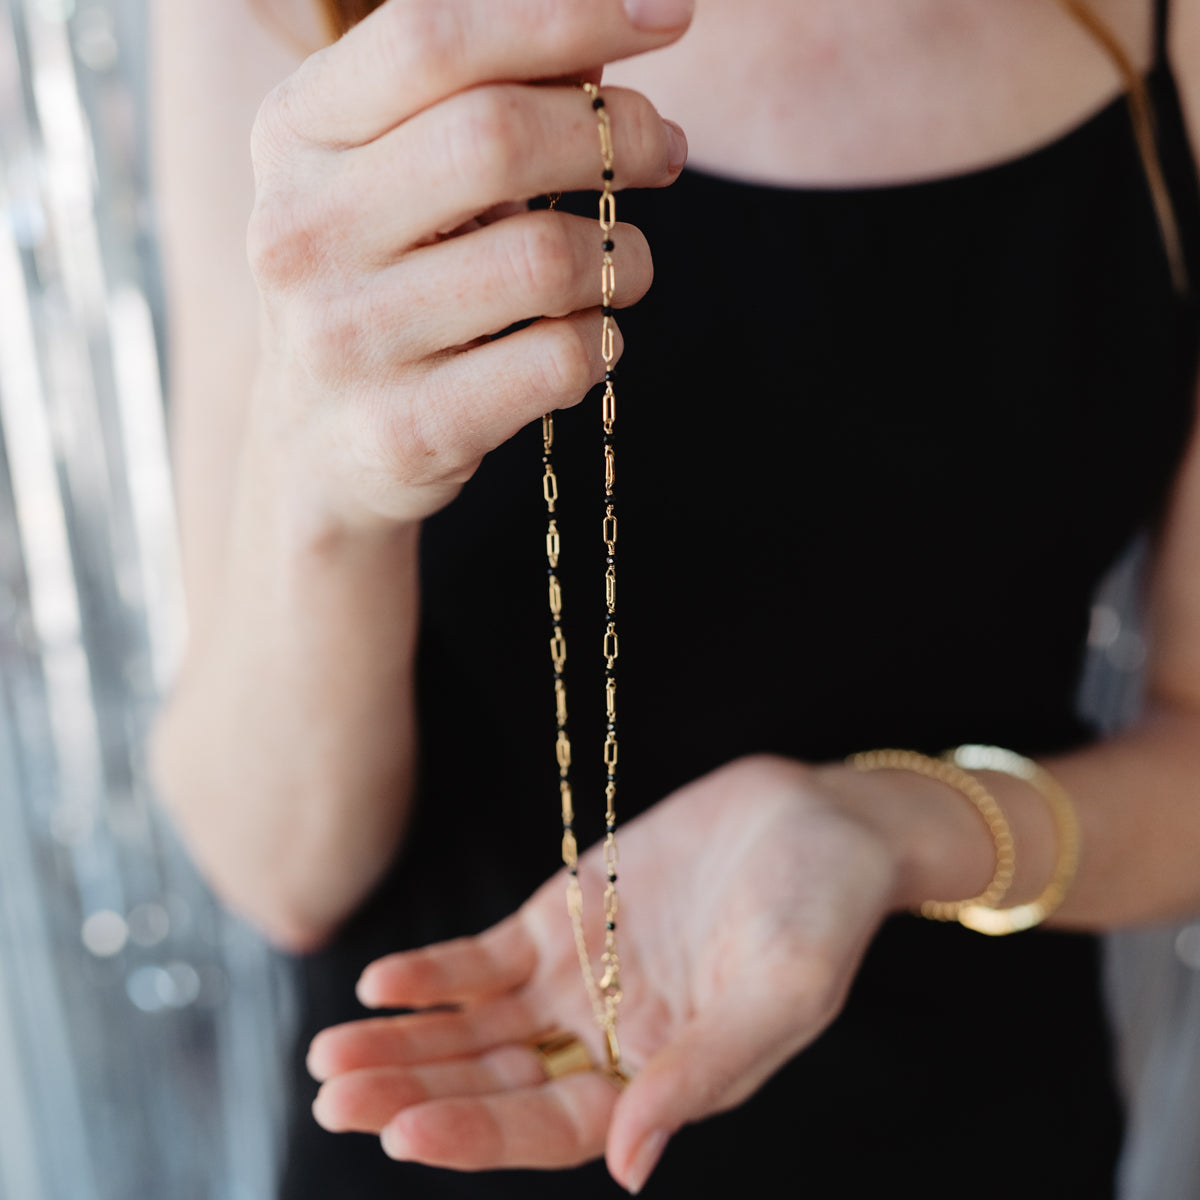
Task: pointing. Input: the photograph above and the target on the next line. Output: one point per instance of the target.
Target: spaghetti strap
(1161, 15)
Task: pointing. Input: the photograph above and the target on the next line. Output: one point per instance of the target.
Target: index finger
(458, 972)
(409, 54)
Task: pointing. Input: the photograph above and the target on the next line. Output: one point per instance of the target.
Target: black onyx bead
(612, 879)
(572, 871)
(606, 311)
(610, 926)
(609, 376)
(568, 827)
(607, 176)
(608, 245)
(598, 102)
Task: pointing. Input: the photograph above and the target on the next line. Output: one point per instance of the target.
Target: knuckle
(637, 279)
(330, 338)
(271, 243)
(566, 367)
(293, 235)
(404, 439)
(542, 259)
(289, 223)
(483, 143)
(643, 127)
(425, 36)
(565, 27)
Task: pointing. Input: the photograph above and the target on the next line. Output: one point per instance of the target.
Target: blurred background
(140, 1027)
(142, 1030)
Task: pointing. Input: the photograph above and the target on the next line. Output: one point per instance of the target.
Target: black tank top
(879, 447)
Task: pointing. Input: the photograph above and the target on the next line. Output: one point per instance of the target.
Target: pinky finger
(481, 397)
(559, 1124)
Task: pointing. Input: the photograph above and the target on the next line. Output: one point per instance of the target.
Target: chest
(855, 92)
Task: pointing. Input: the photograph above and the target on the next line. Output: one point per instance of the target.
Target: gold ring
(561, 1053)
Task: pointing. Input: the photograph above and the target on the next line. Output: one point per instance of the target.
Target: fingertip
(677, 147)
(394, 1142)
(317, 1060)
(632, 1127)
(320, 1112)
(659, 16)
(366, 989)
(639, 1165)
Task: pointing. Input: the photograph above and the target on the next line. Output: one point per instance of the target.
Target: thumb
(721, 1057)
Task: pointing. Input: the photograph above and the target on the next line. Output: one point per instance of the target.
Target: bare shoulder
(1185, 50)
(213, 62)
(1175, 662)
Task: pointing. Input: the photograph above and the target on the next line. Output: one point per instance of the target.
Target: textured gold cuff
(998, 921)
(985, 804)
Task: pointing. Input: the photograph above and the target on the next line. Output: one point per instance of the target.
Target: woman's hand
(747, 901)
(380, 389)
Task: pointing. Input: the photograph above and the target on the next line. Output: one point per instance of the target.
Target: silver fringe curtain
(139, 1025)
(141, 1029)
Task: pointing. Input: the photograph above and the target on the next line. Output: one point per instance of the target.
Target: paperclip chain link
(604, 993)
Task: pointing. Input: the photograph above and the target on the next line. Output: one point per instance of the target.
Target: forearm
(1137, 798)
(286, 753)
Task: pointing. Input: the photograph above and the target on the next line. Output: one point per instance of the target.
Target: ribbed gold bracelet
(985, 804)
(999, 921)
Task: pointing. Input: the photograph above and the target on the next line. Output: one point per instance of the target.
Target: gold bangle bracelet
(999, 921)
(985, 804)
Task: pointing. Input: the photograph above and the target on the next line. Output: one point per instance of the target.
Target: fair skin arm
(305, 462)
(316, 537)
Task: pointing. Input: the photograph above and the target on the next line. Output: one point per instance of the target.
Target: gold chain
(605, 994)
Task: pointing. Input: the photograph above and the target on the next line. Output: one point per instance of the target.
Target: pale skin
(333, 392)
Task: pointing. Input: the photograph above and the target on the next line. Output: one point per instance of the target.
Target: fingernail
(645, 1160)
(653, 15)
(677, 147)
(362, 990)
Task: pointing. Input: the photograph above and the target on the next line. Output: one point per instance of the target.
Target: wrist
(941, 848)
(292, 567)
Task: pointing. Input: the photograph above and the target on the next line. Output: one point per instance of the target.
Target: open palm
(748, 898)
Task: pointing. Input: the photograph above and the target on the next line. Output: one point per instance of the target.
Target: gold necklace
(604, 993)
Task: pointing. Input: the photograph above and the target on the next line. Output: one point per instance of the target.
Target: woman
(903, 390)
